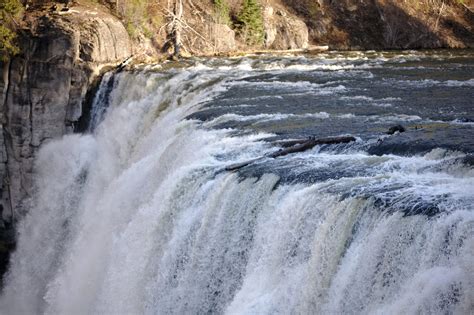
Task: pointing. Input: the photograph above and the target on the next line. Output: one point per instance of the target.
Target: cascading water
(101, 101)
(141, 217)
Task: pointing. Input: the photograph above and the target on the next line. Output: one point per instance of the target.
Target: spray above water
(140, 216)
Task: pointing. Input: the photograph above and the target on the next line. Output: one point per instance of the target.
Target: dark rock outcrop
(396, 128)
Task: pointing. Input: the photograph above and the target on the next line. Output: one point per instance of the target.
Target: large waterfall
(140, 216)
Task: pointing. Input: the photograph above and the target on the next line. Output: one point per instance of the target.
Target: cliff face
(387, 24)
(284, 30)
(341, 24)
(43, 90)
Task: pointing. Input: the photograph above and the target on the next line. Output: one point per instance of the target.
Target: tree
(9, 10)
(222, 11)
(251, 20)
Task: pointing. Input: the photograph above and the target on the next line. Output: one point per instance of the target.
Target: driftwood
(329, 140)
(293, 146)
(123, 64)
(303, 145)
(308, 50)
(236, 166)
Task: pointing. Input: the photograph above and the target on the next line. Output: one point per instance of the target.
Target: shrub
(9, 10)
(251, 20)
(135, 14)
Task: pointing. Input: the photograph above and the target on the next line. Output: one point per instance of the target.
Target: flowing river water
(138, 214)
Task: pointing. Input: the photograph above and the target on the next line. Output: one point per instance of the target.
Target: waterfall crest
(139, 217)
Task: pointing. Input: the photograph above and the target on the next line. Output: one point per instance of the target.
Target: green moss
(140, 17)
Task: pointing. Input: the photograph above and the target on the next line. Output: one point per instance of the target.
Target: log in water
(293, 146)
(303, 145)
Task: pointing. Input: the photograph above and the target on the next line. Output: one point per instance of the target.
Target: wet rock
(426, 139)
(468, 160)
(394, 129)
(410, 207)
(464, 120)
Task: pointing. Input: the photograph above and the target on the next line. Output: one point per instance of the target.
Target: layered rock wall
(43, 90)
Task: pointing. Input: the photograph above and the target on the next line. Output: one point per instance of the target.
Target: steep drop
(140, 216)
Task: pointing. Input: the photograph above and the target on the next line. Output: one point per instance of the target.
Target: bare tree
(176, 28)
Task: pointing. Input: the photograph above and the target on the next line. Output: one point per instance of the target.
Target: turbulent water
(140, 216)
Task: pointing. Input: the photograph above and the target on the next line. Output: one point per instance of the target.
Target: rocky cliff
(387, 24)
(342, 24)
(43, 90)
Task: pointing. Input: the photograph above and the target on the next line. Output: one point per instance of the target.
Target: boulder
(223, 37)
(283, 30)
(396, 128)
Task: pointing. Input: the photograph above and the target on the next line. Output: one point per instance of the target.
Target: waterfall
(140, 217)
(101, 100)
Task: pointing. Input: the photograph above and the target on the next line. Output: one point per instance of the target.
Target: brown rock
(283, 30)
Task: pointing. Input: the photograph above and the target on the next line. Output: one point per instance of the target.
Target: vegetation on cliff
(251, 20)
(222, 12)
(140, 17)
(223, 26)
(9, 11)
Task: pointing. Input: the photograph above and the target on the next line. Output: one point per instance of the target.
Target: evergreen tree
(222, 11)
(9, 10)
(251, 20)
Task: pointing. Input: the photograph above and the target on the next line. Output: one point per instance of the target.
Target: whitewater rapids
(138, 216)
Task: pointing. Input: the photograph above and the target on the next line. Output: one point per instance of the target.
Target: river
(139, 215)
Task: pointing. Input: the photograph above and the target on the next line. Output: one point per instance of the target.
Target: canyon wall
(43, 90)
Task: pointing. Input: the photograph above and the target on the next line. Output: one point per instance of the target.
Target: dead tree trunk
(178, 13)
(303, 145)
(293, 146)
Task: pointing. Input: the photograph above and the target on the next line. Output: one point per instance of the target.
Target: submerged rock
(430, 137)
(283, 30)
(394, 129)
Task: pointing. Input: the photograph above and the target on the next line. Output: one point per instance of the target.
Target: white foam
(429, 82)
(398, 117)
(263, 117)
(140, 218)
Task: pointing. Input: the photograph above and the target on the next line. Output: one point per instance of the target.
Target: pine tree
(252, 22)
(222, 11)
(9, 10)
